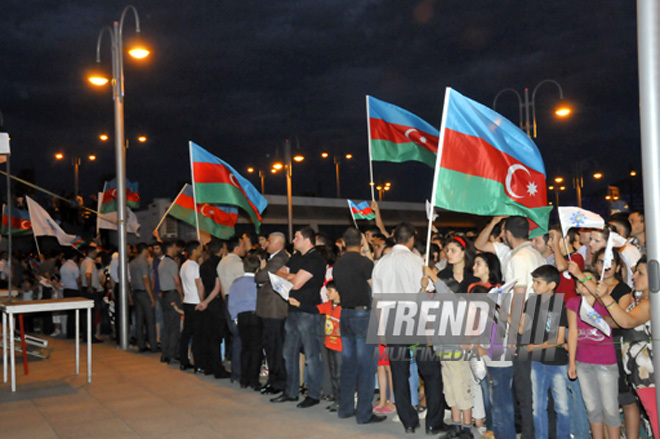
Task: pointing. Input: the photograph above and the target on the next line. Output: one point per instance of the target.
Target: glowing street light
(598, 175)
(142, 139)
(103, 137)
(324, 155)
(559, 180)
(59, 156)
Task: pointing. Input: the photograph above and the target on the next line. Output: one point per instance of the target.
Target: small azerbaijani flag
(572, 216)
(216, 220)
(20, 222)
(590, 316)
(109, 200)
(362, 210)
(397, 135)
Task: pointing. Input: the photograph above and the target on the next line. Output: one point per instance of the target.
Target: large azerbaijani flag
(218, 221)
(109, 200)
(20, 222)
(216, 182)
(397, 135)
(361, 210)
(487, 165)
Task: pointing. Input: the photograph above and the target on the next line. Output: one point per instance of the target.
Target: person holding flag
(592, 361)
(635, 312)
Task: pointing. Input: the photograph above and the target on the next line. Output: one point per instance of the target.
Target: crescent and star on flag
(532, 188)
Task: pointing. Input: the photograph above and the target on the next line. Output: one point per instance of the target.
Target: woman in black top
(458, 274)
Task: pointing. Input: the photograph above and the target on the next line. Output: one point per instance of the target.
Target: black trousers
(171, 331)
(145, 320)
(522, 385)
(249, 329)
(273, 342)
(191, 329)
(430, 370)
(214, 328)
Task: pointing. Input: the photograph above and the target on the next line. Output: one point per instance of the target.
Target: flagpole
(170, 208)
(9, 279)
(192, 173)
(351, 212)
(436, 171)
(371, 162)
(36, 241)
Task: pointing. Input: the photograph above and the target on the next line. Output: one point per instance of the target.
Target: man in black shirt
(303, 329)
(352, 276)
(212, 318)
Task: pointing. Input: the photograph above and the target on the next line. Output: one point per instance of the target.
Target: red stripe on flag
(216, 173)
(474, 156)
(111, 195)
(392, 132)
(365, 211)
(218, 216)
(17, 223)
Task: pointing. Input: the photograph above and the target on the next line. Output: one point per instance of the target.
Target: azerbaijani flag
(487, 165)
(216, 182)
(397, 135)
(20, 222)
(109, 200)
(361, 210)
(216, 220)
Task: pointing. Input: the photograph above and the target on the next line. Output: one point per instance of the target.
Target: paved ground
(133, 396)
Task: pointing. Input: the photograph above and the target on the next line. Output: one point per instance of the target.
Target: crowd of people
(204, 306)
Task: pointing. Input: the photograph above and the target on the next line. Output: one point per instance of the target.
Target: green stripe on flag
(386, 151)
(110, 206)
(359, 216)
(223, 193)
(205, 223)
(481, 196)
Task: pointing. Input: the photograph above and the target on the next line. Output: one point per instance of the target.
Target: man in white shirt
(229, 269)
(401, 271)
(193, 293)
(524, 259)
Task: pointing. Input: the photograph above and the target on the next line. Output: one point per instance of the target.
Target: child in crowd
(592, 359)
(549, 359)
(332, 311)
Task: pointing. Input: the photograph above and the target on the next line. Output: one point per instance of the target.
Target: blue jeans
(302, 331)
(579, 419)
(358, 366)
(414, 382)
(555, 379)
(500, 380)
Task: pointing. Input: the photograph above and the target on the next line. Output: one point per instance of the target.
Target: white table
(28, 306)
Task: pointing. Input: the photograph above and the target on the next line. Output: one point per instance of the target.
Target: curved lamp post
(530, 126)
(116, 34)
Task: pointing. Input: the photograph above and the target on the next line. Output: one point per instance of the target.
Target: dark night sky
(239, 77)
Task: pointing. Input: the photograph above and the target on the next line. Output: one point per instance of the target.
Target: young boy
(332, 311)
(545, 321)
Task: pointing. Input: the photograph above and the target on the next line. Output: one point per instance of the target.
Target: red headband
(460, 240)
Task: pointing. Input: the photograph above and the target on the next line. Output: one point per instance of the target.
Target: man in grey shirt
(171, 296)
(144, 300)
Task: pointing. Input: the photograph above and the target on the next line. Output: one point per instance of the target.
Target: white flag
(589, 315)
(614, 240)
(430, 211)
(576, 217)
(44, 225)
(496, 292)
(109, 220)
(280, 285)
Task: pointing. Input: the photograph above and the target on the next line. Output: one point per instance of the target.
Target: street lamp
(562, 110)
(382, 188)
(116, 42)
(337, 161)
(75, 161)
(262, 177)
(103, 137)
(556, 190)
